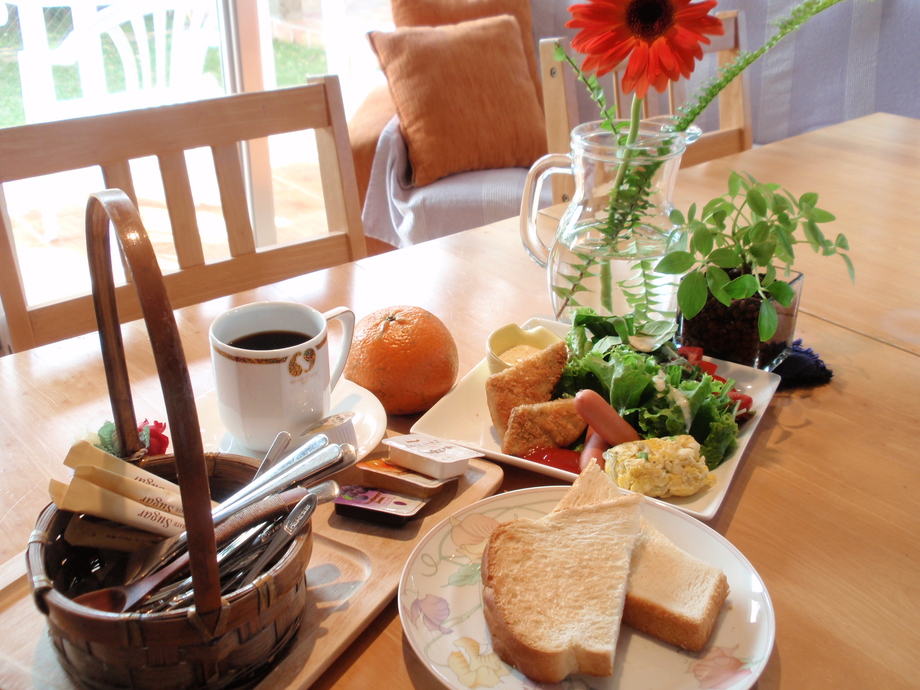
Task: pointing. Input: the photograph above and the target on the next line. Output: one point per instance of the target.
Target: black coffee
(270, 340)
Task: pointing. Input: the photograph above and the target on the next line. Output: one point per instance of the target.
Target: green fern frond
(797, 18)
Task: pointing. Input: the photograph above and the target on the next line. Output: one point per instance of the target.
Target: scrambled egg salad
(660, 467)
(658, 393)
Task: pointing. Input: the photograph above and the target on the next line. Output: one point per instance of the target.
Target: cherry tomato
(708, 368)
(745, 401)
(693, 355)
(560, 458)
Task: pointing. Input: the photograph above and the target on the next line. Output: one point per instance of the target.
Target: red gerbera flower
(661, 38)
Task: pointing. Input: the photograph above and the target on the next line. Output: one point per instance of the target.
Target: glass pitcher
(617, 224)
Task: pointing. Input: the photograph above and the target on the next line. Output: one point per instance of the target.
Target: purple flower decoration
(433, 610)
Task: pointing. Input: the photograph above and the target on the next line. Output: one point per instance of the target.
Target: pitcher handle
(533, 185)
(347, 318)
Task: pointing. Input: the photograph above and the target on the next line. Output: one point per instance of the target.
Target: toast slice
(554, 588)
(531, 380)
(553, 424)
(671, 595)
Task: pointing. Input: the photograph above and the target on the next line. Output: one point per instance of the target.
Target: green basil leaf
(782, 292)
(702, 240)
(677, 217)
(757, 202)
(809, 199)
(767, 320)
(734, 184)
(710, 207)
(842, 243)
(814, 235)
(763, 252)
(759, 231)
(819, 215)
(691, 294)
(717, 279)
(742, 286)
(850, 270)
(780, 204)
(769, 275)
(726, 257)
(675, 262)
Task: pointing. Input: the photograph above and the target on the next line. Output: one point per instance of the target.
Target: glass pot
(731, 332)
(617, 224)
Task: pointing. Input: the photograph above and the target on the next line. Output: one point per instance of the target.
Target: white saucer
(370, 421)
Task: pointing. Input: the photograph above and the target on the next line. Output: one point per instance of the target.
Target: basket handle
(115, 206)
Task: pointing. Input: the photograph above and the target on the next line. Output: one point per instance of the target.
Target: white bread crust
(672, 596)
(573, 628)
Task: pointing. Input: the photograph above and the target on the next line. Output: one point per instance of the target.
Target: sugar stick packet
(81, 496)
(167, 501)
(85, 453)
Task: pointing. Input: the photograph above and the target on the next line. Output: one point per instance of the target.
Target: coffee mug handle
(347, 317)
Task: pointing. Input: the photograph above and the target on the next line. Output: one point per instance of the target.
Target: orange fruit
(405, 356)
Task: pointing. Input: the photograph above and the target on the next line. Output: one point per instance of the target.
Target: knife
(294, 469)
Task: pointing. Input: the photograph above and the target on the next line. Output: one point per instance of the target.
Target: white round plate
(370, 421)
(440, 605)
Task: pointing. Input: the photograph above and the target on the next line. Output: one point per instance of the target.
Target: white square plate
(462, 416)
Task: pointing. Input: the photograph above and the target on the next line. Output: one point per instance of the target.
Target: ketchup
(560, 458)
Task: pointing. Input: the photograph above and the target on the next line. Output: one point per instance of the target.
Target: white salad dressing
(674, 396)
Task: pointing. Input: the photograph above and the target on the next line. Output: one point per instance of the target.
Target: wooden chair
(111, 141)
(735, 132)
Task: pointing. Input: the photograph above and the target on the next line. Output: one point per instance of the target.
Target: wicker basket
(219, 642)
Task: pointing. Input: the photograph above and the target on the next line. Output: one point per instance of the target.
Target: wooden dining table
(824, 504)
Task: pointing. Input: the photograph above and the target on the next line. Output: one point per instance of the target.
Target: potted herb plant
(738, 297)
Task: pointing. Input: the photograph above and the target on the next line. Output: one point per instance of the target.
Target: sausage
(601, 417)
(593, 450)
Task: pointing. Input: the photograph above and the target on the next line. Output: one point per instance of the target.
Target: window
(71, 58)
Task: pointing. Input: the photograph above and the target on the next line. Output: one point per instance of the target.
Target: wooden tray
(354, 573)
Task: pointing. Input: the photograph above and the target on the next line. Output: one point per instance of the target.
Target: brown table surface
(824, 505)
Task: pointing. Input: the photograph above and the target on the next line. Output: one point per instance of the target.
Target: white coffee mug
(271, 368)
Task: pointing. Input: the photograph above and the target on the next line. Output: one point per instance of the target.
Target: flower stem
(797, 17)
(631, 136)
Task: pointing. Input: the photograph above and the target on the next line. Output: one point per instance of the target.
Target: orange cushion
(439, 12)
(463, 96)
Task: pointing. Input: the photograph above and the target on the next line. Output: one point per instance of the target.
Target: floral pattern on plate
(440, 605)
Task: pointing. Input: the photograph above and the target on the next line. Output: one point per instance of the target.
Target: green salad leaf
(657, 392)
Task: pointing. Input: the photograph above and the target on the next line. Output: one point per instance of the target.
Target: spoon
(278, 446)
(122, 598)
(178, 594)
(313, 466)
(296, 521)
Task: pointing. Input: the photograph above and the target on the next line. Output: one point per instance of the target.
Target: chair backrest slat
(229, 170)
(181, 205)
(117, 175)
